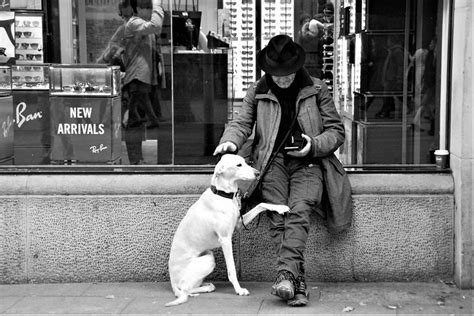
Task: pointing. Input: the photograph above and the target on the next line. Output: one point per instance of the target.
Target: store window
(388, 80)
(380, 59)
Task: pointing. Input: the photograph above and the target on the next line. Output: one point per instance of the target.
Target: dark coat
(317, 118)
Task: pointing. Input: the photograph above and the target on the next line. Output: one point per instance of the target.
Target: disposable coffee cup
(441, 158)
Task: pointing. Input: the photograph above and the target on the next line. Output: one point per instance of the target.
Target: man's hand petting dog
(208, 224)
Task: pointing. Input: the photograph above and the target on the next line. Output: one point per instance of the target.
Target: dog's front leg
(226, 244)
(250, 215)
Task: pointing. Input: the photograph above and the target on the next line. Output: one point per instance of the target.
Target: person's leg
(275, 190)
(306, 187)
(138, 95)
(297, 184)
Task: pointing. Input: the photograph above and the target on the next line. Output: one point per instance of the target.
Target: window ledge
(162, 184)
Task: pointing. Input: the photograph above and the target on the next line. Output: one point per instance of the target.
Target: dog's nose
(256, 172)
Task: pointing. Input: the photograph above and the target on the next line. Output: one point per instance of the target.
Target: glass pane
(115, 37)
(393, 117)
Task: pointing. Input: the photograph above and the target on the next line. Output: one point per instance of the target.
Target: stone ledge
(143, 184)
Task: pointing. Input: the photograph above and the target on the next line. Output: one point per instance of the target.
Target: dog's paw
(243, 292)
(280, 209)
(208, 287)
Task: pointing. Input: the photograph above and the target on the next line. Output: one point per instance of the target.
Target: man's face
(144, 13)
(284, 81)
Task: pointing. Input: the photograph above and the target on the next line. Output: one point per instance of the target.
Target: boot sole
(299, 300)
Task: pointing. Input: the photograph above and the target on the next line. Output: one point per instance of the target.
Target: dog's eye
(239, 165)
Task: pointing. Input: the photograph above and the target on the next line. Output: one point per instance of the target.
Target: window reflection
(382, 65)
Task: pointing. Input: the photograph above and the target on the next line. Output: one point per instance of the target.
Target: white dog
(208, 224)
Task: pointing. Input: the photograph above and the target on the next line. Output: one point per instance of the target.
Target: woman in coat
(288, 101)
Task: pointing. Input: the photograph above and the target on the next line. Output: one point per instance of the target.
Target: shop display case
(85, 80)
(85, 110)
(30, 77)
(380, 107)
(5, 80)
(32, 119)
(200, 106)
(6, 116)
(383, 143)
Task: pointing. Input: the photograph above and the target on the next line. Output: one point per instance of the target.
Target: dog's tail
(182, 298)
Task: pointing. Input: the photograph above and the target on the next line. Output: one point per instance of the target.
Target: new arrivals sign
(85, 129)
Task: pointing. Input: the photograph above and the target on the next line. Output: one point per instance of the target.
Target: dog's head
(230, 170)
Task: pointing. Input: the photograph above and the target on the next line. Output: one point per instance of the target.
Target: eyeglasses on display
(34, 56)
(26, 34)
(27, 68)
(28, 45)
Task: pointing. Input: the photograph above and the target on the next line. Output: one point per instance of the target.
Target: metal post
(444, 73)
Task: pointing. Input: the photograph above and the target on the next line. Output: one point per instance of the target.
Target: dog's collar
(222, 193)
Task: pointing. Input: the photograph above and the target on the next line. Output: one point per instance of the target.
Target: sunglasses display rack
(28, 39)
(344, 75)
(30, 77)
(242, 57)
(276, 18)
(328, 66)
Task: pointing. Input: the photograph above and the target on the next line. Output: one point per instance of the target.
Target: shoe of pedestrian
(284, 286)
(301, 297)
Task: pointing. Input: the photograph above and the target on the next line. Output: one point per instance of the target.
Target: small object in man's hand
(295, 142)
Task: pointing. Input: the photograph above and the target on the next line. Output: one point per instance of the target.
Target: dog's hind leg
(191, 280)
(204, 288)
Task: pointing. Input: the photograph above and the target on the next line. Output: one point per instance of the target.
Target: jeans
(297, 183)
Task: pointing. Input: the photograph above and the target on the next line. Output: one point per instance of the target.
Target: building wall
(462, 139)
(100, 228)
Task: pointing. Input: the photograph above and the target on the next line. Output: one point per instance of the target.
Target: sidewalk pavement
(385, 298)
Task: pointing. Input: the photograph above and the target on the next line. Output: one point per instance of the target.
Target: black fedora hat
(281, 56)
